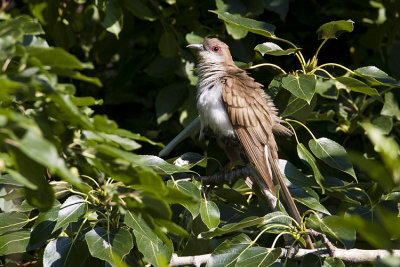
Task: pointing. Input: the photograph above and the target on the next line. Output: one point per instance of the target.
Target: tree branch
(356, 256)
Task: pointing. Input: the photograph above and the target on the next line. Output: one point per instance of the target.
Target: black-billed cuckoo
(235, 110)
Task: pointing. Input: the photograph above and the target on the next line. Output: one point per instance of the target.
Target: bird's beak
(199, 47)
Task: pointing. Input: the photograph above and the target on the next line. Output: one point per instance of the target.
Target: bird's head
(213, 51)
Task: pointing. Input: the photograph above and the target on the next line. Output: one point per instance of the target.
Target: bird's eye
(215, 48)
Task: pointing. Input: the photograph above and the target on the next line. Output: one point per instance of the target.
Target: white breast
(212, 111)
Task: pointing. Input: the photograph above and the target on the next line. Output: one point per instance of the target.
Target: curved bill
(199, 47)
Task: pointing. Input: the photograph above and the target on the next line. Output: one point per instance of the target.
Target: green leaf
(385, 123)
(329, 225)
(12, 221)
(294, 105)
(251, 25)
(76, 75)
(276, 222)
(71, 210)
(333, 262)
(300, 85)
(274, 49)
(309, 159)
(258, 256)
(109, 245)
(304, 197)
(375, 76)
(140, 10)
(333, 29)
(355, 86)
(56, 57)
(149, 244)
(294, 175)
(168, 45)
(168, 100)
(113, 21)
(172, 228)
(391, 106)
(209, 213)
(280, 7)
(190, 189)
(231, 227)
(233, 7)
(14, 242)
(332, 154)
(63, 252)
(227, 254)
(327, 88)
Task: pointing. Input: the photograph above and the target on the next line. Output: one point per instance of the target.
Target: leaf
(274, 49)
(63, 252)
(231, 227)
(209, 213)
(140, 10)
(113, 21)
(227, 254)
(12, 221)
(327, 88)
(168, 100)
(294, 105)
(333, 29)
(251, 25)
(304, 197)
(329, 225)
(309, 159)
(391, 106)
(172, 228)
(355, 86)
(333, 262)
(108, 245)
(258, 256)
(332, 154)
(71, 210)
(375, 76)
(149, 244)
(190, 189)
(168, 45)
(280, 7)
(14, 242)
(57, 57)
(300, 85)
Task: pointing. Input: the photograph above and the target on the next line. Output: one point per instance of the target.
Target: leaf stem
(319, 48)
(298, 54)
(268, 64)
(309, 131)
(335, 65)
(294, 132)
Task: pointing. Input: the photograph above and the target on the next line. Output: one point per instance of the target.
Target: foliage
(79, 190)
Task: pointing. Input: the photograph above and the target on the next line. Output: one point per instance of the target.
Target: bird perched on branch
(235, 110)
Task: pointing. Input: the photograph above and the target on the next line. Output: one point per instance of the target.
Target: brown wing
(254, 118)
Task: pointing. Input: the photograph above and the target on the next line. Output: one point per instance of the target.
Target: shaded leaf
(251, 25)
(355, 86)
(14, 242)
(333, 262)
(108, 245)
(309, 159)
(231, 227)
(209, 213)
(227, 254)
(375, 76)
(300, 85)
(332, 154)
(12, 221)
(391, 106)
(149, 244)
(71, 210)
(333, 29)
(259, 256)
(190, 189)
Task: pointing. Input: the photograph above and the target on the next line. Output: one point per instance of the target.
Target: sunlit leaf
(309, 159)
(333, 29)
(300, 85)
(209, 213)
(274, 49)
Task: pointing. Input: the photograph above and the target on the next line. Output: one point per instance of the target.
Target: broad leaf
(355, 86)
(12, 221)
(300, 85)
(189, 189)
(71, 210)
(109, 245)
(149, 244)
(274, 49)
(375, 76)
(209, 213)
(251, 25)
(227, 254)
(231, 227)
(333, 262)
(333, 29)
(391, 106)
(329, 225)
(14, 242)
(332, 154)
(259, 256)
(309, 159)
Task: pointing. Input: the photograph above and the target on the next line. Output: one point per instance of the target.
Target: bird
(234, 109)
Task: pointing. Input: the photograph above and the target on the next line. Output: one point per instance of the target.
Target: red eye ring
(215, 48)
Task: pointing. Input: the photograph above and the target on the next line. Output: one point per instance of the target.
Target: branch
(356, 256)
